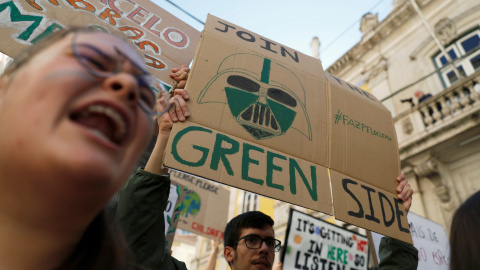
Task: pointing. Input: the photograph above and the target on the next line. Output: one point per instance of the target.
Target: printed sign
(205, 207)
(430, 239)
(163, 40)
(268, 119)
(312, 243)
(172, 211)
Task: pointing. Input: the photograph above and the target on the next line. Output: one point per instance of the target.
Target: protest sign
(268, 119)
(163, 40)
(205, 207)
(429, 238)
(312, 243)
(173, 209)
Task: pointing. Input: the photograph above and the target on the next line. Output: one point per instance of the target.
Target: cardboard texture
(205, 207)
(366, 206)
(312, 243)
(268, 119)
(176, 198)
(163, 40)
(249, 166)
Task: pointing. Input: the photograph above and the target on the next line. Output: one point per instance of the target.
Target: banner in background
(164, 41)
(205, 207)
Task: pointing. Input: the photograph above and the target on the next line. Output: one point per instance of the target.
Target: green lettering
(331, 253)
(246, 161)
(293, 166)
(220, 152)
(339, 255)
(47, 32)
(271, 167)
(16, 16)
(204, 150)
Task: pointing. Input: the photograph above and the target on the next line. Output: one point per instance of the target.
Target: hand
(180, 75)
(404, 191)
(178, 111)
(215, 243)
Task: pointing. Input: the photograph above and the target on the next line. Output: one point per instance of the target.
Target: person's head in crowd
(418, 93)
(465, 235)
(76, 113)
(250, 242)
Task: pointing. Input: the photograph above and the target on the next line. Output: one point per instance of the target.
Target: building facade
(438, 135)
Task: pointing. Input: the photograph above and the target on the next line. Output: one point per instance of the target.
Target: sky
(292, 23)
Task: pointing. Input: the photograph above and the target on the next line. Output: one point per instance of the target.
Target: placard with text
(312, 243)
(267, 119)
(164, 41)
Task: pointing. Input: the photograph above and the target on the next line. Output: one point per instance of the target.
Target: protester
(421, 96)
(246, 234)
(465, 236)
(145, 195)
(76, 113)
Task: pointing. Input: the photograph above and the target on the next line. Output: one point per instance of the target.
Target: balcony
(449, 113)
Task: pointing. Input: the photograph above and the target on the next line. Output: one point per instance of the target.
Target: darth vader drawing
(264, 97)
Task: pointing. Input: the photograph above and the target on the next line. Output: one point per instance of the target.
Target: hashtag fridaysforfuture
(346, 120)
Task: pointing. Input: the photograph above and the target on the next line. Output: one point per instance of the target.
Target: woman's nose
(124, 86)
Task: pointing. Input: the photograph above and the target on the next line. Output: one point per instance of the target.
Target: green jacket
(396, 255)
(140, 215)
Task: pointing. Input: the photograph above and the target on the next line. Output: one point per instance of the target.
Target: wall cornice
(397, 17)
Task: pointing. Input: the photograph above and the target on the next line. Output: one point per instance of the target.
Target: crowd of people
(77, 112)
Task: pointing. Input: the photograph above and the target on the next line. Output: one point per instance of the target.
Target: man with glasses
(250, 241)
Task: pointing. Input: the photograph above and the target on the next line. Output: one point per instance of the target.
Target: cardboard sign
(173, 209)
(205, 207)
(312, 243)
(430, 239)
(268, 119)
(163, 40)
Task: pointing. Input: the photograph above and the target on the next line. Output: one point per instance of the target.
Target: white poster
(312, 243)
(172, 202)
(430, 239)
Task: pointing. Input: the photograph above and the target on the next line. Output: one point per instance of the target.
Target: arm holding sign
(213, 255)
(393, 253)
(144, 199)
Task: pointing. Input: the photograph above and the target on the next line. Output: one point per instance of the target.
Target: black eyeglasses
(254, 241)
(101, 64)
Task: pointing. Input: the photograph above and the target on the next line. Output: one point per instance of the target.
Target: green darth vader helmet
(264, 97)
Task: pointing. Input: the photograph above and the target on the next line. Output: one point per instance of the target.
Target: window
(250, 201)
(465, 52)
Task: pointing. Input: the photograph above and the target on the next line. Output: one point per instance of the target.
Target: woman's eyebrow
(97, 50)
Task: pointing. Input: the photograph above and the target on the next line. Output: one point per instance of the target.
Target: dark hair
(252, 219)
(465, 235)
